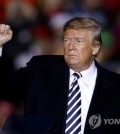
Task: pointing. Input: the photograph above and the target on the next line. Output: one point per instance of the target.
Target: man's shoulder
(46, 60)
(106, 73)
(52, 57)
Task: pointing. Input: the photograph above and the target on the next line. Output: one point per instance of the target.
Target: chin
(72, 62)
(71, 59)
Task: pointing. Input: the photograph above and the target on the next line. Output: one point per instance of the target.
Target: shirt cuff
(0, 52)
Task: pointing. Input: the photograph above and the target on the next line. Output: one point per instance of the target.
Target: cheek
(85, 52)
(65, 47)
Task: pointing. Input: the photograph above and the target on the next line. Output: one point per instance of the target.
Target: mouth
(71, 55)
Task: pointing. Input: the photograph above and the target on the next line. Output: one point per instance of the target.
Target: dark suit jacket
(44, 85)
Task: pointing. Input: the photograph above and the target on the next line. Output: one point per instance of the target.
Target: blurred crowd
(37, 28)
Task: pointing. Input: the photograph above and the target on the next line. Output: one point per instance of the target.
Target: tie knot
(77, 75)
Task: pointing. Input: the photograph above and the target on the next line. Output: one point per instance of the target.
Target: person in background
(70, 93)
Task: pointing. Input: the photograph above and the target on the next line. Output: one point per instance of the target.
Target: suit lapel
(100, 97)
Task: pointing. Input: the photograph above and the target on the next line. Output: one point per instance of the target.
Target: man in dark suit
(46, 81)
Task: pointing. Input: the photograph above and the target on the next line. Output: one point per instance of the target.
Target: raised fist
(5, 34)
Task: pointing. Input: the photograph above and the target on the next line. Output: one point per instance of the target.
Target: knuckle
(2, 25)
(7, 26)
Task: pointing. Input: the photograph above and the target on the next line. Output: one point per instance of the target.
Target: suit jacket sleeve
(16, 84)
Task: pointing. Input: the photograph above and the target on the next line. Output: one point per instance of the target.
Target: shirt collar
(88, 73)
(0, 51)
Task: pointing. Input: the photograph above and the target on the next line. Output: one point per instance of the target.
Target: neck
(80, 68)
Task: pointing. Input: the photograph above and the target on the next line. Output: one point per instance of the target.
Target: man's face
(78, 48)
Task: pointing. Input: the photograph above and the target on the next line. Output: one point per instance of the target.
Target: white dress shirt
(0, 51)
(87, 84)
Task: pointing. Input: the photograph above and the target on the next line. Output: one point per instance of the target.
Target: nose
(72, 45)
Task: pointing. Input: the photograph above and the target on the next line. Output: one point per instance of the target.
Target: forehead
(76, 32)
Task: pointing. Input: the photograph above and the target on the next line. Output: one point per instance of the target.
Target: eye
(78, 41)
(66, 40)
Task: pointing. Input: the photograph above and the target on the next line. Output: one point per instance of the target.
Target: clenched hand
(5, 34)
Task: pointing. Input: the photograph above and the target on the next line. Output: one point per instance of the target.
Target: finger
(2, 28)
(10, 33)
(7, 29)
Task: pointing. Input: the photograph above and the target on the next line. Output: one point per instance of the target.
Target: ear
(96, 49)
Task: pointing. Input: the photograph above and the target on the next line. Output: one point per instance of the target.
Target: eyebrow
(78, 38)
(70, 37)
